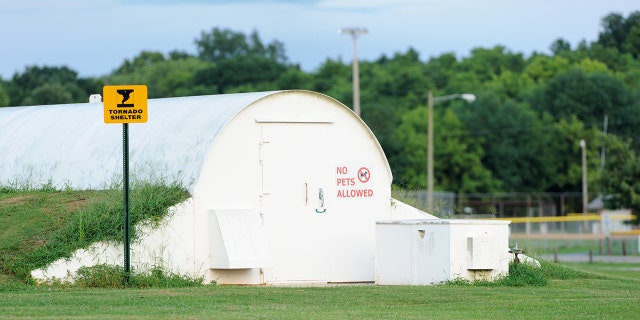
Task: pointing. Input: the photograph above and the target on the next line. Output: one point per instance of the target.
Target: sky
(94, 37)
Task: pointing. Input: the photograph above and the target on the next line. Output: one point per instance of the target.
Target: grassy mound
(44, 225)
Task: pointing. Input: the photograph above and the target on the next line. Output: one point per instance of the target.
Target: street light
(465, 96)
(355, 32)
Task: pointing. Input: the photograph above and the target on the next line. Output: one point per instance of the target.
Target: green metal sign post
(125, 188)
(125, 104)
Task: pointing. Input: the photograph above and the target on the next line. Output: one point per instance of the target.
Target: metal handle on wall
(321, 197)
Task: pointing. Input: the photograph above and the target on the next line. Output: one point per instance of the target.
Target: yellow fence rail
(572, 217)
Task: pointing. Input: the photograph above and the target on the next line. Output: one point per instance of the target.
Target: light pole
(355, 32)
(604, 148)
(465, 96)
(585, 196)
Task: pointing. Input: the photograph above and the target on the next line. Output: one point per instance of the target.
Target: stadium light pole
(355, 32)
(465, 96)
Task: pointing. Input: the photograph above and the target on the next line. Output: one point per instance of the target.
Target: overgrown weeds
(524, 274)
(108, 276)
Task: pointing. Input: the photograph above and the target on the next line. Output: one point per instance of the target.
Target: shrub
(523, 274)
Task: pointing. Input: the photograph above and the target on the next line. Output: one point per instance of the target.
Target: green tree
(50, 93)
(541, 68)
(239, 63)
(515, 141)
(163, 77)
(487, 63)
(145, 58)
(4, 97)
(567, 134)
(620, 180)
(440, 69)
(36, 85)
(510, 85)
(294, 78)
(618, 43)
(457, 165)
(463, 82)
(589, 97)
(259, 72)
(333, 78)
(560, 47)
(398, 76)
(459, 158)
(621, 34)
(222, 44)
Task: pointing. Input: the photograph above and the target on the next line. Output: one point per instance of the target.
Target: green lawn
(623, 271)
(547, 246)
(598, 298)
(40, 226)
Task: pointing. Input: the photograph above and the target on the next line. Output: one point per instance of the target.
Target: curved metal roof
(71, 145)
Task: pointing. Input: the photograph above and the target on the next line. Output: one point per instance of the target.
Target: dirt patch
(66, 206)
(34, 242)
(74, 205)
(16, 200)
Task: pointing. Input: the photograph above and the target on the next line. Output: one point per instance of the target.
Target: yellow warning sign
(125, 104)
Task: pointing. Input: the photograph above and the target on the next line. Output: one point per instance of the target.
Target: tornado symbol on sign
(126, 95)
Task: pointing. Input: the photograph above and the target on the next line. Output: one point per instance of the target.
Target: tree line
(521, 134)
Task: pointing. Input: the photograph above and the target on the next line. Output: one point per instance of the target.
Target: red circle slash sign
(364, 175)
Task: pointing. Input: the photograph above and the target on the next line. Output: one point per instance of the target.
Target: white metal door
(295, 178)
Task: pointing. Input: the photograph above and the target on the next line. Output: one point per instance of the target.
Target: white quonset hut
(286, 186)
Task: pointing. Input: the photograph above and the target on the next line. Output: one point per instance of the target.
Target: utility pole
(585, 194)
(430, 205)
(355, 32)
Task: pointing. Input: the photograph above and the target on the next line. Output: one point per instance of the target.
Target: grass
(622, 271)
(569, 246)
(577, 298)
(60, 221)
(41, 226)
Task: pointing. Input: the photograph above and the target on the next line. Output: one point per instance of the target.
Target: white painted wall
(272, 160)
(423, 252)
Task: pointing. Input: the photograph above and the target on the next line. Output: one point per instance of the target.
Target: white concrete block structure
(432, 251)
